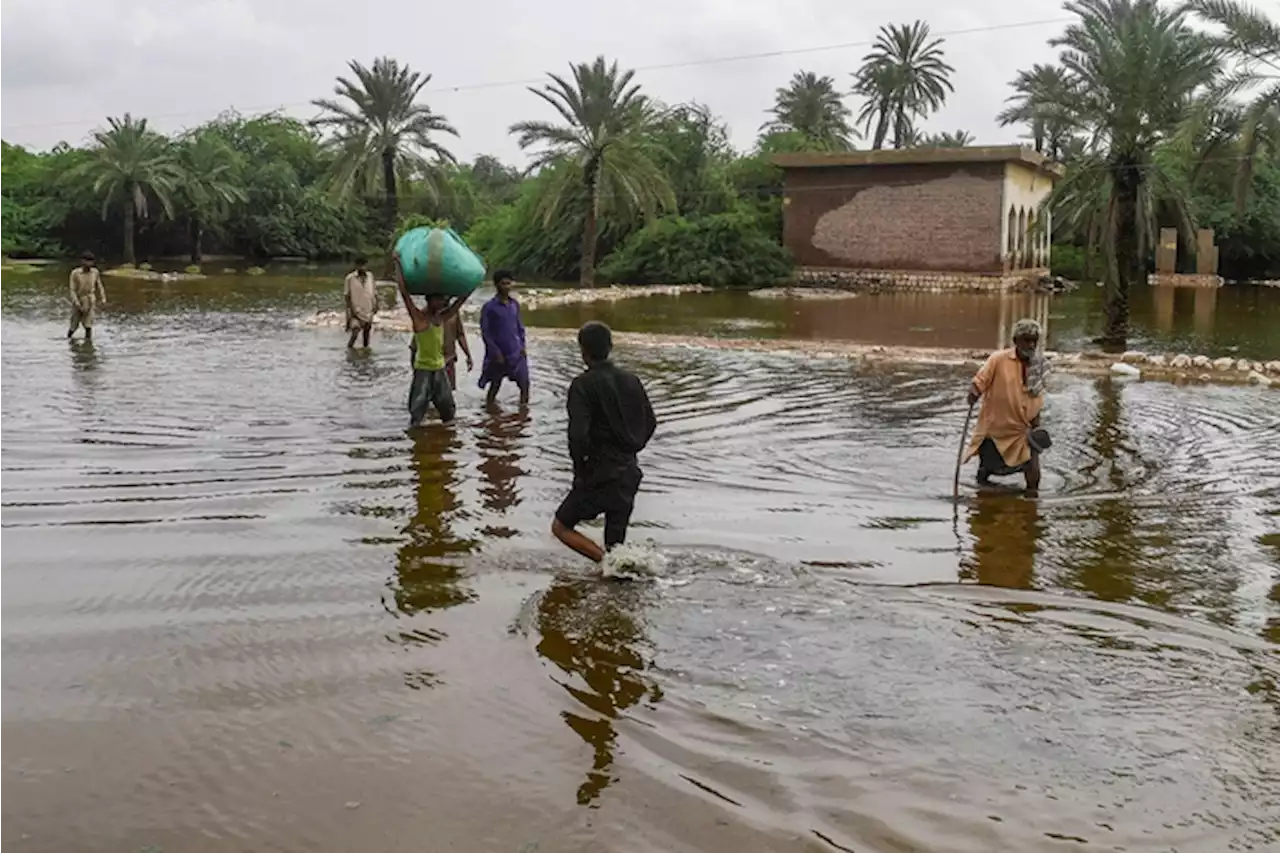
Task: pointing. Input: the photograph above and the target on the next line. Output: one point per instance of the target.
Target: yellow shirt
(1008, 409)
(430, 354)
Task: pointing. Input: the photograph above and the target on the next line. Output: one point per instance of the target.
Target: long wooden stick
(964, 439)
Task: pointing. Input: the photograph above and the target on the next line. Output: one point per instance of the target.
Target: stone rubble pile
(1179, 366)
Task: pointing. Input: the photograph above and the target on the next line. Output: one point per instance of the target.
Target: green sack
(437, 261)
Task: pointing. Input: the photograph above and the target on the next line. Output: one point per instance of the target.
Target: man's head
(86, 260)
(436, 303)
(596, 342)
(502, 281)
(1026, 338)
(362, 264)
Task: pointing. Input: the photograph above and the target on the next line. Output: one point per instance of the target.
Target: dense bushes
(720, 249)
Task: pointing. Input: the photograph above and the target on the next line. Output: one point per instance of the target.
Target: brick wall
(932, 216)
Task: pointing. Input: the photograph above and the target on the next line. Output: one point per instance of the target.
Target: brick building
(920, 218)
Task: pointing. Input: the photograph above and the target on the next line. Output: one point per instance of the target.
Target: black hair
(499, 275)
(87, 256)
(596, 340)
(362, 261)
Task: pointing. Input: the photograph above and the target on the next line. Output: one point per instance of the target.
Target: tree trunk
(129, 256)
(389, 184)
(587, 272)
(197, 240)
(1126, 262)
(899, 126)
(882, 127)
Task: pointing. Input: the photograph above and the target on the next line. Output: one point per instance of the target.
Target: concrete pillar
(1167, 251)
(1206, 252)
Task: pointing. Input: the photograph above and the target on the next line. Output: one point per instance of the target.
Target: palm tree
(946, 139)
(1039, 95)
(1081, 202)
(382, 132)
(208, 185)
(131, 166)
(1134, 68)
(1252, 40)
(904, 76)
(811, 106)
(603, 155)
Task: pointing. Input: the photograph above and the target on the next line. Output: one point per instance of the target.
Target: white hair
(1026, 328)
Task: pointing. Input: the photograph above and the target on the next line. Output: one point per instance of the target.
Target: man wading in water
(1008, 439)
(430, 384)
(87, 293)
(610, 421)
(360, 293)
(504, 344)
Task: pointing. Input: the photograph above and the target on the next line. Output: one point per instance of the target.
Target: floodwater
(244, 610)
(1242, 321)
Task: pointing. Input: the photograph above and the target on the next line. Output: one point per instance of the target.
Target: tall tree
(382, 132)
(1252, 41)
(131, 167)
(1038, 102)
(209, 185)
(696, 144)
(602, 155)
(903, 77)
(811, 106)
(1135, 66)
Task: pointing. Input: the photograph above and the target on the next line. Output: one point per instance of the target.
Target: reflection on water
(1182, 310)
(426, 577)
(591, 632)
(500, 444)
(229, 574)
(1005, 531)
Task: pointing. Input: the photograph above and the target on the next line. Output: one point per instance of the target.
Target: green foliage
(696, 156)
(903, 78)
(604, 160)
(132, 169)
(520, 237)
(811, 107)
(381, 134)
(1075, 263)
(721, 249)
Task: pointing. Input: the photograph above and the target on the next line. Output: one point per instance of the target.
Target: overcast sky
(67, 64)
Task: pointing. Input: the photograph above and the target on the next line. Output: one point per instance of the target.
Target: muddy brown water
(243, 610)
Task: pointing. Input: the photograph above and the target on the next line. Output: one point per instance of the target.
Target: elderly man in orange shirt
(1008, 439)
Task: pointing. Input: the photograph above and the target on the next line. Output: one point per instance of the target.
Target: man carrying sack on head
(1008, 439)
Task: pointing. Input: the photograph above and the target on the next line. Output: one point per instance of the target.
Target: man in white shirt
(359, 291)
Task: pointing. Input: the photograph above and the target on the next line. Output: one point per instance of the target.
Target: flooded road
(244, 610)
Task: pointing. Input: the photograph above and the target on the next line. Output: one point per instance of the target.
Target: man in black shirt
(610, 421)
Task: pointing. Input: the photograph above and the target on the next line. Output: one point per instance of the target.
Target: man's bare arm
(452, 311)
(416, 315)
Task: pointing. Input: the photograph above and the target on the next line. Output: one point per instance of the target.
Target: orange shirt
(1008, 409)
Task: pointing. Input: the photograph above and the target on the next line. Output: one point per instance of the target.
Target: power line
(661, 66)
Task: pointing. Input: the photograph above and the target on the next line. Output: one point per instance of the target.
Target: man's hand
(523, 352)
(499, 357)
(470, 363)
(972, 397)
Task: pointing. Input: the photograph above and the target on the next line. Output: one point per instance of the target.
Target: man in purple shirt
(504, 346)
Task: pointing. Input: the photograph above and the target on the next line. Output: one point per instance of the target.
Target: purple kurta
(503, 332)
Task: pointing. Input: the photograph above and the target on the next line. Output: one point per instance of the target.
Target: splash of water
(633, 562)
